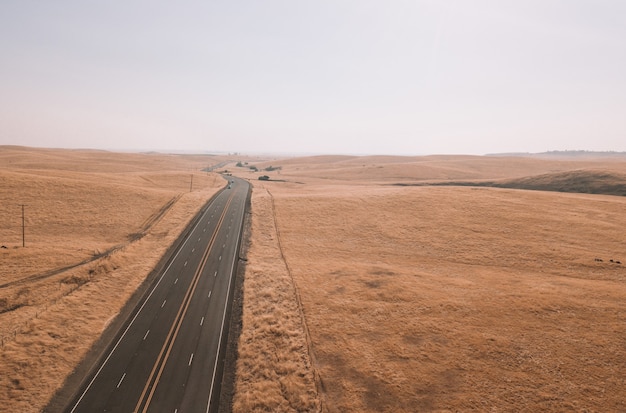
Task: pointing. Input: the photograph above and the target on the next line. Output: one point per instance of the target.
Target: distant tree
(254, 168)
(239, 164)
(264, 178)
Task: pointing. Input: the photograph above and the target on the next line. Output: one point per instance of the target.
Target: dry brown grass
(393, 169)
(80, 203)
(455, 299)
(273, 369)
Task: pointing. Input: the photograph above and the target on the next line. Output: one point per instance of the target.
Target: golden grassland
(80, 204)
(273, 370)
(398, 169)
(445, 298)
(359, 295)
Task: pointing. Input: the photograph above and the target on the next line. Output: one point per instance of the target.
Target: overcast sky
(319, 76)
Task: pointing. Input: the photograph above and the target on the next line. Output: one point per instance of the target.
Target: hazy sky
(319, 76)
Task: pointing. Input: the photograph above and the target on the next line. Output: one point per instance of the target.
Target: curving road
(166, 359)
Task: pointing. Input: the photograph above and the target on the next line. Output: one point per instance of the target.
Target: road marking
(185, 264)
(199, 239)
(176, 281)
(220, 258)
(193, 249)
(163, 303)
(190, 359)
(202, 321)
(209, 294)
(224, 246)
(106, 360)
(215, 275)
(157, 370)
(121, 380)
(144, 337)
(204, 230)
(219, 342)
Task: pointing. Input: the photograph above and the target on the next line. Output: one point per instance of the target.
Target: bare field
(79, 205)
(453, 298)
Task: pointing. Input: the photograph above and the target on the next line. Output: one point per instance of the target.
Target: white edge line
(134, 318)
(219, 343)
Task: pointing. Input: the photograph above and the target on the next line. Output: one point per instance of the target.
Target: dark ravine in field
(580, 181)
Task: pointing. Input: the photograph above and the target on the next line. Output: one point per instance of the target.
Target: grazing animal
(611, 260)
(618, 262)
(598, 260)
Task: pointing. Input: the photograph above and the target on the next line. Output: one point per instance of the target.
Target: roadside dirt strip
(168, 356)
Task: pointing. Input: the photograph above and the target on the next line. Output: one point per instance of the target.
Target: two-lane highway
(166, 359)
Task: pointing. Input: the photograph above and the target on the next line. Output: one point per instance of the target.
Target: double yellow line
(159, 365)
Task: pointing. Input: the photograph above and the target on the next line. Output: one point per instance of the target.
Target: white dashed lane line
(121, 380)
(163, 303)
(146, 335)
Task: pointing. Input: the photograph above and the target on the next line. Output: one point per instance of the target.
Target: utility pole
(191, 184)
(23, 227)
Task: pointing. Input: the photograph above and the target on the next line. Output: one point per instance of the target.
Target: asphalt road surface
(166, 358)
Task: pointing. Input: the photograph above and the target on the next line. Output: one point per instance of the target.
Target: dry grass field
(439, 298)
(367, 287)
(97, 223)
(274, 370)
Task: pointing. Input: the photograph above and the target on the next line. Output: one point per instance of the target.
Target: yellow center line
(173, 333)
